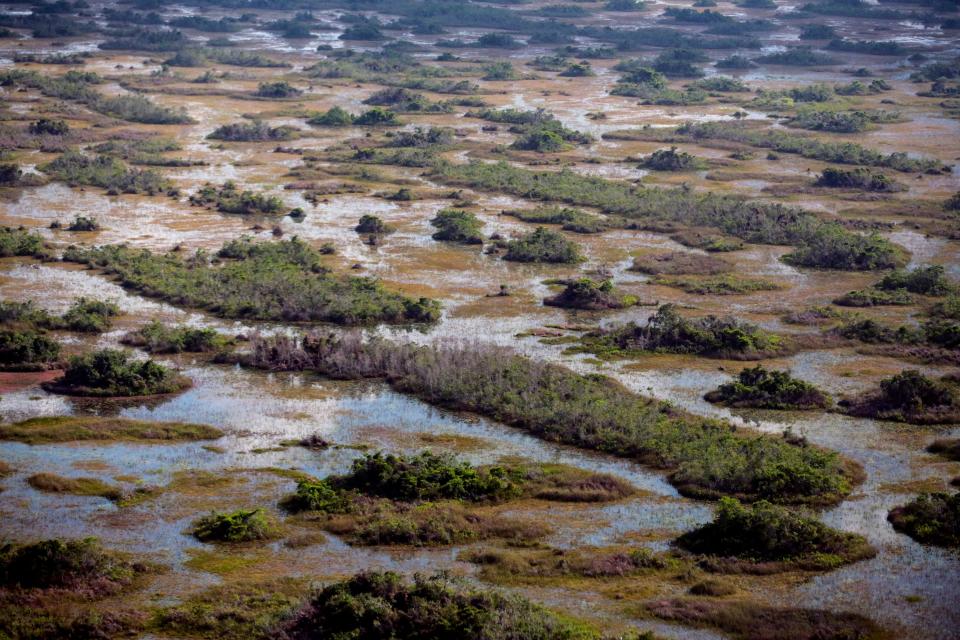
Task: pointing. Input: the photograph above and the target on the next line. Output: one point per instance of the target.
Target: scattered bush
(671, 160)
(25, 350)
(281, 89)
(47, 127)
(860, 178)
(65, 564)
(371, 224)
(759, 388)
(929, 281)
(230, 199)
(427, 609)
(106, 172)
(83, 223)
(874, 298)
(89, 316)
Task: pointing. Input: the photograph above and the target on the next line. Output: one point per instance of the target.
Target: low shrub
(109, 372)
(874, 298)
(948, 448)
(243, 525)
(457, 225)
(671, 160)
(719, 285)
(230, 199)
(371, 224)
(26, 350)
(909, 396)
(543, 245)
(89, 316)
(759, 388)
(929, 281)
(931, 518)
(65, 564)
(281, 89)
(266, 281)
(668, 332)
(252, 132)
(586, 294)
(427, 609)
(766, 534)
(861, 178)
(106, 172)
(157, 337)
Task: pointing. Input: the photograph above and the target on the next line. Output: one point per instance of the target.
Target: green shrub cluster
(157, 337)
(63, 564)
(760, 388)
(820, 244)
(457, 225)
(930, 280)
(427, 609)
(243, 525)
(569, 219)
(264, 281)
(19, 241)
(543, 245)
(106, 172)
(859, 178)
(909, 396)
(931, 518)
(279, 89)
(668, 332)
(338, 117)
(786, 142)
(27, 349)
(584, 293)
(371, 224)
(230, 199)
(252, 132)
(765, 532)
(109, 372)
(671, 160)
(707, 459)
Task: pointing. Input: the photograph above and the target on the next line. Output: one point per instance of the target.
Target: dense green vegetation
(766, 534)
(910, 397)
(457, 225)
(243, 525)
(861, 179)
(668, 332)
(107, 172)
(760, 388)
(783, 142)
(65, 564)
(265, 281)
(584, 293)
(707, 459)
(542, 245)
(874, 298)
(230, 199)
(109, 372)
(930, 280)
(19, 241)
(26, 350)
(427, 609)
(371, 224)
(157, 337)
(820, 244)
(103, 429)
(252, 132)
(88, 316)
(569, 219)
(931, 518)
(671, 160)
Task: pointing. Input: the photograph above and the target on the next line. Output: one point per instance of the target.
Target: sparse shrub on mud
(159, 338)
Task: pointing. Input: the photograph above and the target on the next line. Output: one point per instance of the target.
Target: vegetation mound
(457, 225)
(427, 609)
(543, 245)
(586, 294)
(243, 525)
(264, 281)
(931, 518)
(765, 538)
(111, 373)
(96, 428)
(909, 397)
(707, 459)
(76, 565)
(759, 388)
